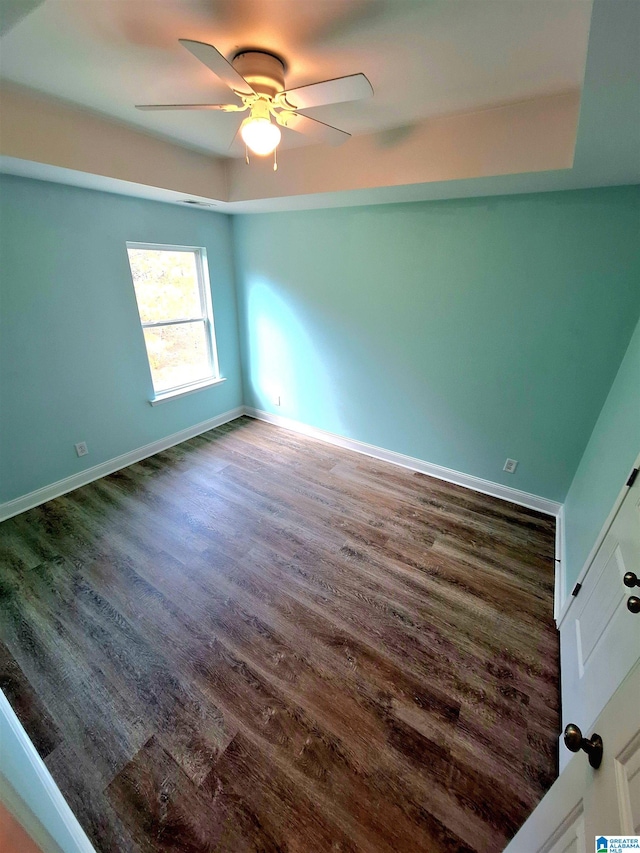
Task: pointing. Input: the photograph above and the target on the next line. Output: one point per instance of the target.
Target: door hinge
(632, 477)
(576, 589)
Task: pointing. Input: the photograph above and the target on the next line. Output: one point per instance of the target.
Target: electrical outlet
(510, 466)
(277, 400)
(81, 448)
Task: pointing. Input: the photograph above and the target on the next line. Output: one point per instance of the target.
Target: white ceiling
(424, 58)
(565, 72)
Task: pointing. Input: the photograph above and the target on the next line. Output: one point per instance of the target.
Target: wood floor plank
(50, 639)
(82, 784)
(256, 642)
(164, 810)
(28, 705)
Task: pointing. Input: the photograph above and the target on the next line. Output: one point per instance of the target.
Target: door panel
(557, 824)
(584, 803)
(605, 597)
(569, 837)
(599, 637)
(600, 664)
(628, 784)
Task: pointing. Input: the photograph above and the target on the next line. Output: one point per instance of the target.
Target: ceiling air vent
(197, 203)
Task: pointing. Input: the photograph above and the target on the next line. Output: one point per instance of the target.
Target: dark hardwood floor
(257, 642)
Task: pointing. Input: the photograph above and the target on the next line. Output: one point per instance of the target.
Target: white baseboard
(477, 484)
(82, 478)
(560, 592)
(30, 792)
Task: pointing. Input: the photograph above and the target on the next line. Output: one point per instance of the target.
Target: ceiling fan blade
(216, 62)
(226, 107)
(351, 88)
(311, 127)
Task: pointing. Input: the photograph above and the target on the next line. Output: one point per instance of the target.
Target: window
(174, 302)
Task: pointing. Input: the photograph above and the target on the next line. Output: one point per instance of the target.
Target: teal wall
(459, 332)
(612, 449)
(73, 365)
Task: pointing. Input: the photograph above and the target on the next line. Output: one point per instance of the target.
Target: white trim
(42, 791)
(486, 487)
(206, 308)
(559, 593)
(186, 389)
(166, 247)
(61, 487)
(627, 822)
(596, 545)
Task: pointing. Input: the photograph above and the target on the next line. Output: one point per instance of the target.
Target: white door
(599, 636)
(584, 803)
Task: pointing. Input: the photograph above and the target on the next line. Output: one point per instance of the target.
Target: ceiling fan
(256, 78)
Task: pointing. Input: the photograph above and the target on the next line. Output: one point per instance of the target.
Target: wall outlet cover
(510, 466)
(81, 448)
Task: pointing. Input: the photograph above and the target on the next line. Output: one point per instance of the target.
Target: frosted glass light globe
(260, 135)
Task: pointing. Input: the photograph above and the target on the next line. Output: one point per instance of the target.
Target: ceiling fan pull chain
(256, 78)
(275, 159)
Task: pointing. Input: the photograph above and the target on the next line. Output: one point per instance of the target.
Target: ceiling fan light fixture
(260, 135)
(256, 78)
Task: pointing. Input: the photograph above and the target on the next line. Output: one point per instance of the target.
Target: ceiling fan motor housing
(263, 71)
(256, 77)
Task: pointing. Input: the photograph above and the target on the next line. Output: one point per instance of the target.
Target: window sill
(186, 389)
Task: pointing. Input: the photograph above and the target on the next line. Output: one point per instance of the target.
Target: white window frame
(204, 288)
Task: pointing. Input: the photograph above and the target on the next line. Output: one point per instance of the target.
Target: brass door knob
(574, 742)
(633, 604)
(630, 579)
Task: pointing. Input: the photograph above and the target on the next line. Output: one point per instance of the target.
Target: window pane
(166, 284)
(177, 355)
